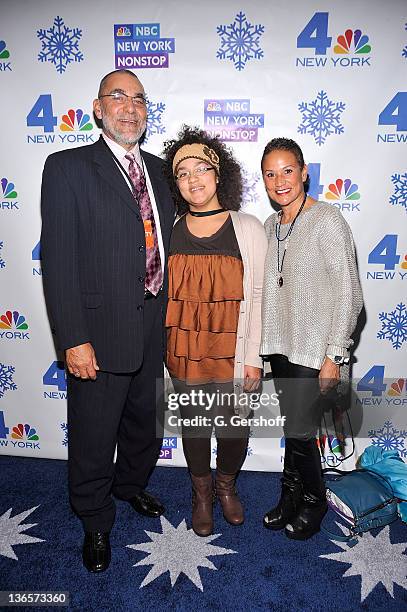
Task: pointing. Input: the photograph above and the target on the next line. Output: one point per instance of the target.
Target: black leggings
(300, 399)
(196, 437)
(300, 403)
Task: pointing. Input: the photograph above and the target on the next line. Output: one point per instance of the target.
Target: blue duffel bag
(364, 500)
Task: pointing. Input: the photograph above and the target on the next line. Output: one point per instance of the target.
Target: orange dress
(204, 294)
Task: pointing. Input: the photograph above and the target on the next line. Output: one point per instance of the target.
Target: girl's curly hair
(230, 186)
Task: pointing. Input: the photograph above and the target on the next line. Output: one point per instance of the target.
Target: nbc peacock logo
(9, 319)
(396, 388)
(123, 32)
(344, 195)
(75, 120)
(336, 445)
(24, 436)
(352, 41)
(8, 195)
(24, 432)
(13, 326)
(331, 449)
(8, 189)
(4, 55)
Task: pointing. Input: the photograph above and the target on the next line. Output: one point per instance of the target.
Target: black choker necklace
(206, 213)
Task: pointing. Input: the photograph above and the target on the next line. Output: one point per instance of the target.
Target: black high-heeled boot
(291, 494)
(313, 506)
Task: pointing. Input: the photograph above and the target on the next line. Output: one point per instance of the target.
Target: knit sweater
(314, 313)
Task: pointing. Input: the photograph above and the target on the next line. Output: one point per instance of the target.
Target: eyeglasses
(120, 98)
(183, 175)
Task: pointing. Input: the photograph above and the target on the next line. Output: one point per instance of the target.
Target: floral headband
(196, 151)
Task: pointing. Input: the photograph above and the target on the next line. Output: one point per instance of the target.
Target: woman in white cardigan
(213, 318)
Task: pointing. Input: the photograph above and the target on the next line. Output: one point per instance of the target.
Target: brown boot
(227, 494)
(202, 504)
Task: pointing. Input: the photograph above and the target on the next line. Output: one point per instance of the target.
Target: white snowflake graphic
(240, 41)
(388, 567)
(11, 532)
(64, 427)
(404, 52)
(60, 45)
(178, 550)
(154, 117)
(6, 378)
(394, 326)
(250, 194)
(389, 438)
(2, 262)
(400, 190)
(321, 117)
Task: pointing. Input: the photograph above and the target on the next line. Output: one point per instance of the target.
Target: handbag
(364, 499)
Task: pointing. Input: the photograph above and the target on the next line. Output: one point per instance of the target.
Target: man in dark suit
(107, 217)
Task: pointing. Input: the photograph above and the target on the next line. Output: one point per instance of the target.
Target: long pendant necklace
(280, 280)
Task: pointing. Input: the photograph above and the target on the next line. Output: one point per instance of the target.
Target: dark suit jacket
(93, 252)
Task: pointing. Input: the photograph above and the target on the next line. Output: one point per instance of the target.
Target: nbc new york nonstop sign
(139, 45)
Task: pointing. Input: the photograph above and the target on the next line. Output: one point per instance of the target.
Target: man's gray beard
(123, 140)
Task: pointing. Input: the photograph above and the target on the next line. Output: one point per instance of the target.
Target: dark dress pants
(123, 409)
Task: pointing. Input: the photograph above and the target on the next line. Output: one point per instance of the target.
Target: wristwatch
(337, 359)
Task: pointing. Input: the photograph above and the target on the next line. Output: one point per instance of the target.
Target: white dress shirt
(120, 154)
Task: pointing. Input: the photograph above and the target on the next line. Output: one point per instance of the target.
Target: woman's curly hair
(230, 186)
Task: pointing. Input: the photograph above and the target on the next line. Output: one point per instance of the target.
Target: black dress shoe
(144, 503)
(96, 551)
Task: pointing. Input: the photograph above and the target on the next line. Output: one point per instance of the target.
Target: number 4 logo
(3, 429)
(55, 375)
(389, 116)
(385, 252)
(42, 114)
(372, 381)
(315, 35)
(314, 173)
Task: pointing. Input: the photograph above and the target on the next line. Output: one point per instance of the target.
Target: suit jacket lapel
(109, 171)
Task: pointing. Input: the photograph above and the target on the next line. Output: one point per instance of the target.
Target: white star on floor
(178, 550)
(11, 532)
(375, 559)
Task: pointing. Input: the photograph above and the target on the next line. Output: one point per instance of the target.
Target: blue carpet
(265, 571)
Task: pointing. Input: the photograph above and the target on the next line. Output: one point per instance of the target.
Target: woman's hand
(252, 377)
(328, 375)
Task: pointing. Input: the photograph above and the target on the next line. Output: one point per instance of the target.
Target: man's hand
(328, 375)
(81, 361)
(252, 377)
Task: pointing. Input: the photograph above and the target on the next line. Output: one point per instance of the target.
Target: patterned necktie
(154, 275)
